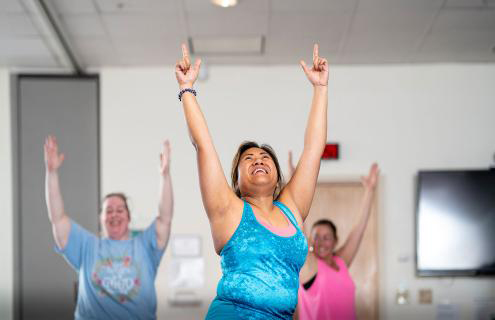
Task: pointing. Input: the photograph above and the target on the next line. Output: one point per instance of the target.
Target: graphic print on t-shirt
(118, 278)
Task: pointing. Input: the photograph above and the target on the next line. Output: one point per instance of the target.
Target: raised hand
(165, 158)
(186, 73)
(371, 180)
(53, 160)
(318, 74)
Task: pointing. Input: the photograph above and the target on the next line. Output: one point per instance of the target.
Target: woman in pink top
(327, 290)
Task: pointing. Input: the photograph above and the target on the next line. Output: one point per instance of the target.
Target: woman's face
(115, 218)
(257, 172)
(323, 240)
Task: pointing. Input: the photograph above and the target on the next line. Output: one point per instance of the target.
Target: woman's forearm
(351, 246)
(196, 122)
(316, 130)
(364, 213)
(53, 195)
(166, 199)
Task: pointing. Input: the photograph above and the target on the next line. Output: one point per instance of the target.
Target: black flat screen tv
(455, 223)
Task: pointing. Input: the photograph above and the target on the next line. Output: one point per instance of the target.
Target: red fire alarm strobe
(331, 151)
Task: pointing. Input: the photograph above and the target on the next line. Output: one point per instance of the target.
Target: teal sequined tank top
(261, 269)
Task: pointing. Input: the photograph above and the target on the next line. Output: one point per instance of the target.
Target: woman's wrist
(320, 87)
(51, 172)
(185, 85)
(165, 173)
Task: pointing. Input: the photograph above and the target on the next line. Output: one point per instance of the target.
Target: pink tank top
(331, 296)
(288, 231)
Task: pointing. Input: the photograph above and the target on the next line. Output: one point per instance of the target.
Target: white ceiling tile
(150, 53)
(74, 6)
(366, 58)
(313, 6)
(138, 6)
(402, 5)
(464, 3)
(291, 52)
(149, 32)
(469, 20)
(28, 61)
(150, 26)
(228, 24)
(11, 6)
(144, 51)
(236, 60)
(459, 46)
(460, 35)
(83, 25)
(205, 7)
(295, 29)
(16, 24)
(24, 46)
(388, 32)
(95, 51)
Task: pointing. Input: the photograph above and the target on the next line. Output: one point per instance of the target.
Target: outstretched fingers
(374, 170)
(166, 147)
(197, 64)
(304, 66)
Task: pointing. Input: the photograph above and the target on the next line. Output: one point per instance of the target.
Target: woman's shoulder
(340, 261)
(286, 202)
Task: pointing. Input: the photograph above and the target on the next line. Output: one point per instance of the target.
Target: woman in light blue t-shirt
(117, 271)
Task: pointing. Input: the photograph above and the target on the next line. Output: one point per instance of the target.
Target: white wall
(405, 117)
(6, 209)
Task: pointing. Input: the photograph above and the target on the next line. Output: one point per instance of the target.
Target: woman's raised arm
(54, 202)
(216, 192)
(301, 186)
(351, 246)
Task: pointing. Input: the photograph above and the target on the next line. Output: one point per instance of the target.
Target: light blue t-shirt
(116, 277)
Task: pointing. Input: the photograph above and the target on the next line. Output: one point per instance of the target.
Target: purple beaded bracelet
(191, 90)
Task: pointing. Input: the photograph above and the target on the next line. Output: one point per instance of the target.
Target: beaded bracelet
(191, 90)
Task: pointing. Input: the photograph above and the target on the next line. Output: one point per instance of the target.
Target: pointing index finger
(315, 53)
(185, 54)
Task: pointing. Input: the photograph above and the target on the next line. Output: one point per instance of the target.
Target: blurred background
(412, 87)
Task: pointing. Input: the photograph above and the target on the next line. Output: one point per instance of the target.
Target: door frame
(15, 80)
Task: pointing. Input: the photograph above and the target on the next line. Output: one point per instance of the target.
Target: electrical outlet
(425, 296)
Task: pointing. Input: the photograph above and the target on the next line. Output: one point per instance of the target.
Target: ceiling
(149, 32)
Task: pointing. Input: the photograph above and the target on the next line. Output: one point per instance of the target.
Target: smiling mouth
(260, 170)
(114, 223)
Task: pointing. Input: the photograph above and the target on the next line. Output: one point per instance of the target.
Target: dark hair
(120, 195)
(237, 158)
(328, 223)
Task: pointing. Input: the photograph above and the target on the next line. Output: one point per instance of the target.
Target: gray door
(68, 108)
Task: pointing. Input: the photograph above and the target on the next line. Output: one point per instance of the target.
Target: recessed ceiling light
(241, 45)
(224, 3)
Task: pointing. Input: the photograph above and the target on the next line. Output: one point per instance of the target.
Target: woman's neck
(330, 261)
(264, 203)
(124, 236)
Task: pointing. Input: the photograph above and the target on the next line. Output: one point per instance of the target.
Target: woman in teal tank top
(260, 267)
